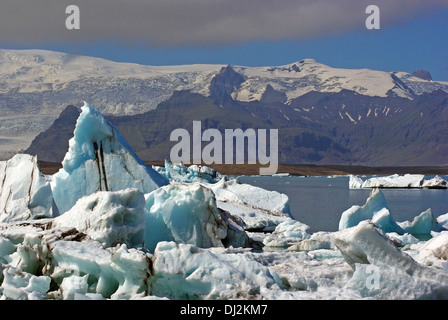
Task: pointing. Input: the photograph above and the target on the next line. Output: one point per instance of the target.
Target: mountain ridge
(412, 134)
(38, 85)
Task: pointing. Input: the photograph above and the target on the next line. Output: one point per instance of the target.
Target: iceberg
(20, 285)
(423, 224)
(355, 182)
(382, 271)
(99, 159)
(435, 252)
(25, 193)
(435, 183)
(187, 213)
(120, 273)
(443, 220)
(184, 271)
(178, 172)
(375, 209)
(392, 181)
(260, 209)
(110, 218)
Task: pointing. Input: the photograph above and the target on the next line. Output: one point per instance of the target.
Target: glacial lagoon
(320, 201)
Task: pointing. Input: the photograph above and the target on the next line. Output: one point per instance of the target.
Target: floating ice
(316, 241)
(99, 159)
(124, 232)
(118, 274)
(20, 285)
(392, 181)
(108, 217)
(443, 220)
(375, 209)
(25, 193)
(287, 233)
(187, 213)
(257, 207)
(355, 182)
(184, 271)
(382, 271)
(435, 183)
(435, 252)
(423, 224)
(178, 172)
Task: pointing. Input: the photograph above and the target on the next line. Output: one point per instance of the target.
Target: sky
(413, 34)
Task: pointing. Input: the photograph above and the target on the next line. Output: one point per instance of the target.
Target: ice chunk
(375, 209)
(287, 233)
(187, 213)
(25, 193)
(435, 183)
(178, 172)
(74, 285)
(108, 217)
(99, 159)
(6, 248)
(355, 182)
(435, 252)
(382, 271)
(184, 271)
(120, 273)
(423, 224)
(257, 207)
(395, 181)
(443, 220)
(366, 243)
(232, 191)
(20, 285)
(317, 241)
(293, 229)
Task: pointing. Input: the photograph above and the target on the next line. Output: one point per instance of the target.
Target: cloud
(196, 22)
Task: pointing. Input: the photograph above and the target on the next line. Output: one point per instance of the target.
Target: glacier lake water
(320, 201)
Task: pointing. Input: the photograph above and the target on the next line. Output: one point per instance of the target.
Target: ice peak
(91, 128)
(99, 159)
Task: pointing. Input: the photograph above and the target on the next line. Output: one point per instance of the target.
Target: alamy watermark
(372, 277)
(373, 20)
(73, 22)
(230, 149)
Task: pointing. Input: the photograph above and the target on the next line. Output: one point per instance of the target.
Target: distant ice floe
(107, 226)
(398, 181)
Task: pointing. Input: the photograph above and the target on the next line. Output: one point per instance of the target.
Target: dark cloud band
(196, 22)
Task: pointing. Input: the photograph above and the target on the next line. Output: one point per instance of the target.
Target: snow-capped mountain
(36, 85)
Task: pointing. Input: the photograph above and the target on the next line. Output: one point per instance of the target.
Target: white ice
(178, 172)
(392, 181)
(25, 193)
(110, 218)
(187, 213)
(124, 231)
(99, 159)
(257, 207)
(375, 209)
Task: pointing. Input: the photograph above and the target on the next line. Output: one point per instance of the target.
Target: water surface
(320, 201)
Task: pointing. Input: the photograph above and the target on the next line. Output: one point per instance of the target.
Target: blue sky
(417, 41)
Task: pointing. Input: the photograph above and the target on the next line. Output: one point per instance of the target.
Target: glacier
(109, 227)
